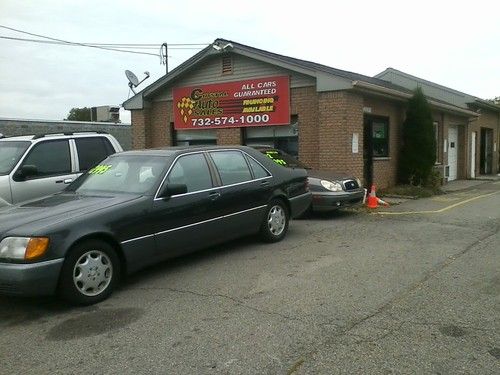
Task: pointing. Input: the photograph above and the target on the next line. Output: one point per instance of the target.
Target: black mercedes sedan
(330, 190)
(137, 208)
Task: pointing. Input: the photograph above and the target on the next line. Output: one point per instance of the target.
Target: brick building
(336, 120)
(479, 137)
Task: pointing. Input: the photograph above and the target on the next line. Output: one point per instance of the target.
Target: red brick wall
(340, 114)
(327, 121)
(230, 136)
(304, 104)
(140, 128)
(161, 117)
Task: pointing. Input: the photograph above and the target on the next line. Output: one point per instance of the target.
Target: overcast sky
(453, 44)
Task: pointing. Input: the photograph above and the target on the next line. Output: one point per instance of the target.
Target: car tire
(90, 273)
(275, 223)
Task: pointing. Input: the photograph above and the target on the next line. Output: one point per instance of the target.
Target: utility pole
(165, 56)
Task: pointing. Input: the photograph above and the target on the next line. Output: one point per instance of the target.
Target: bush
(418, 150)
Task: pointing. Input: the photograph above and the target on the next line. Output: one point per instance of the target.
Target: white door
(52, 160)
(473, 155)
(452, 152)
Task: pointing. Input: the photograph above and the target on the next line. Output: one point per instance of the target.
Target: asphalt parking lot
(350, 292)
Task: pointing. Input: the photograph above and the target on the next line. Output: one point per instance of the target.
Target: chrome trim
(32, 265)
(137, 238)
(299, 196)
(344, 182)
(250, 209)
(209, 220)
(193, 224)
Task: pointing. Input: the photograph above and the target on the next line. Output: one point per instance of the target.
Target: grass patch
(409, 191)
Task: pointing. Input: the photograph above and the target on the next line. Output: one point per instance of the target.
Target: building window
(380, 137)
(194, 137)
(283, 137)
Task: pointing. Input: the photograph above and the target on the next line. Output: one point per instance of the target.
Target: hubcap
(92, 273)
(276, 220)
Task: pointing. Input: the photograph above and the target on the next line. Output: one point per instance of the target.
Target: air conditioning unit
(105, 113)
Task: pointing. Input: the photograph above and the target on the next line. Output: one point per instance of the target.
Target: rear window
(282, 158)
(232, 167)
(92, 150)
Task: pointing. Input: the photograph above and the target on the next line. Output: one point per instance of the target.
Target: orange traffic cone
(383, 203)
(372, 199)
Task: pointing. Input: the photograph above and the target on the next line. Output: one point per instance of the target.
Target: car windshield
(284, 159)
(10, 152)
(135, 174)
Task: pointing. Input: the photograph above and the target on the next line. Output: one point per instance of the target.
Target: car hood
(329, 175)
(54, 209)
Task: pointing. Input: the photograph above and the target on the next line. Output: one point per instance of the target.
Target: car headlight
(332, 186)
(23, 248)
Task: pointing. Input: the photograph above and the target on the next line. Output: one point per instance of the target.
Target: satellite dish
(132, 78)
(133, 81)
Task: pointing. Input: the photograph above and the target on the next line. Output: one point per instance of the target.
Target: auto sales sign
(253, 102)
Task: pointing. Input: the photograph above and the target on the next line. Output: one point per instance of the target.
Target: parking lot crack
(236, 301)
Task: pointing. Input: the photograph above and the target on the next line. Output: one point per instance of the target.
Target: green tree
(418, 151)
(495, 100)
(79, 114)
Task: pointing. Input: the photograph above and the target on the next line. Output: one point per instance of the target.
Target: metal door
(473, 155)
(452, 152)
(54, 171)
(486, 159)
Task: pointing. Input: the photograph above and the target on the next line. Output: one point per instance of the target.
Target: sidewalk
(450, 187)
(457, 185)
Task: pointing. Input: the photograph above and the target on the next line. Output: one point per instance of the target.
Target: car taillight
(307, 184)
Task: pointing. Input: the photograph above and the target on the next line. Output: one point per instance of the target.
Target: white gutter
(393, 92)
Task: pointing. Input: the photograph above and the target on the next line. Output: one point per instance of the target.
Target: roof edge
(437, 85)
(485, 104)
(385, 90)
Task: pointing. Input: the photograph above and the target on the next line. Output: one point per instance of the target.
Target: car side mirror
(169, 190)
(26, 171)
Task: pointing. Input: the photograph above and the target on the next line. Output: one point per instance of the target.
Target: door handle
(66, 181)
(264, 183)
(215, 195)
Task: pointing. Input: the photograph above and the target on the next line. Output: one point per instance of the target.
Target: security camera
(219, 48)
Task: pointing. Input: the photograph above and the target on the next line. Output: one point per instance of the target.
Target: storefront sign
(254, 102)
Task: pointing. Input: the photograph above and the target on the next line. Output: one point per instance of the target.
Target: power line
(115, 47)
(75, 43)
(121, 46)
(149, 44)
